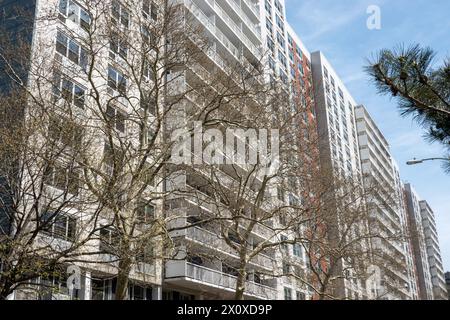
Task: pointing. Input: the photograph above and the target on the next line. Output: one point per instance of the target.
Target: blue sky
(338, 28)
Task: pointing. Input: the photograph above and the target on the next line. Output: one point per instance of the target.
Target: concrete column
(157, 293)
(86, 286)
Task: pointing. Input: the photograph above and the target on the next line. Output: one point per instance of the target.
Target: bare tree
(115, 80)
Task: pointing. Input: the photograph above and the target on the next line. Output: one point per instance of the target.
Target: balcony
(238, 30)
(214, 242)
(211, 26)
(193, 276)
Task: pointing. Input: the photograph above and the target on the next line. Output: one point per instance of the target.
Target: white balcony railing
(237, 29)
(210, 25)
(216, 278)
(212, 240)
(244, 17)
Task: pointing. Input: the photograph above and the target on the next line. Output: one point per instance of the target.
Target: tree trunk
(5, 289)
(242, 276)
(123, 278)
(240, 285)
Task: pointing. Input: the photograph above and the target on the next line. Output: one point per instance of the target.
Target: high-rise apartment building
(433, 251)
(335, 108)
(447, 283)
(418, 242)
(338, 145)
(206, 267)
(387, 213)
(331, 131)
(289, 60)
(413, 289)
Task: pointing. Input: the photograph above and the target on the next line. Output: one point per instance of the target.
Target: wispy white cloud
(324, 17)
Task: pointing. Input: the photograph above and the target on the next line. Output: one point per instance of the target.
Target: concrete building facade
(417, 236)
(387, 214)
(433, 251)
(338, 145)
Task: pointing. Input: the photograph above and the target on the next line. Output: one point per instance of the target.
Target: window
(280, 22)
(281, 40)
(112, 158)
(290, 40)
(139, 293)
(284, 245)
(118, 46)
(120, 15)
(65, 133)
(109, 240)
(71, 49)
(280, 194)
(232, 236)
(147, 37)
(297, 250)
(150, 10)
(270, 44)
(146, 254)
(282, 59)
(58, 225)
(325, 72)
(269, 26)
(68, 90)
(116, 118)
(63, 178)
(74, 12)
(116, 80)
(287, 293)
(268, 7)
(278, 6)
(145, 212)
(301, 296)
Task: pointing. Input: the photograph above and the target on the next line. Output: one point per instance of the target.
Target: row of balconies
(188, 274)
(236, 28)
(211, 26)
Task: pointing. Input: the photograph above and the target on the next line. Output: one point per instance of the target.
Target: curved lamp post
(416, 161)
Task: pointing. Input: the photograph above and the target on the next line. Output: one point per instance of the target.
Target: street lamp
(416, 161)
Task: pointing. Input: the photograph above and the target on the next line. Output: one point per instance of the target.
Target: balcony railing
(206, 21)
(212, 240)
(253, 9)
(237, 29)
(217, 279)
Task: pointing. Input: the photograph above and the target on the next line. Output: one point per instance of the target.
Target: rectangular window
(118, 46)
(269, 26)
(282, 59)
(109, 240)
(268, 7)
(281, 40)
(287, 293)
(63, 178)
(71, 49)
(145, 212)
(150, 10)
(284, 246)
(297, 250)
(116, 80)
(301, 296)
(74, 12)
(116, 118)
(58, 225)
(120, 15)
(68, 90)
(280, 22)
